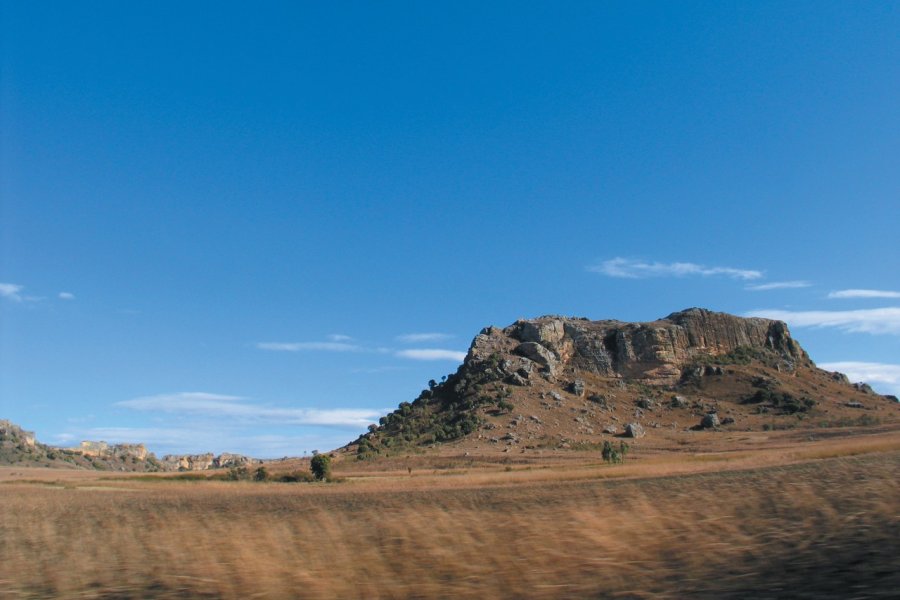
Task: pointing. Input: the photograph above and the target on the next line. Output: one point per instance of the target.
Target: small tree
(320, 465)
(614, 455)
(261, 474)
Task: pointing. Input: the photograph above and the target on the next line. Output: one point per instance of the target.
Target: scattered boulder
(577, 387)
(840, 378)
(678, 402)
(517, 379)
(611, 429)
(865, 388)
(600, 400)
(634, 430)
(728, 421)
(855, 405)
(646, 403)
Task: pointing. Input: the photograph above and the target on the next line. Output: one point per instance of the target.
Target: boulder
(634, 430)
(678, 402)
(539, 354)
(646, 403)
(577, 387)
(611, 429)
(516, 379)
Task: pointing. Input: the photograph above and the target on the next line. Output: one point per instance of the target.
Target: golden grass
(779, 523)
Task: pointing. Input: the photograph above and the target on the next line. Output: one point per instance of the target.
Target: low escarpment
(557, 382)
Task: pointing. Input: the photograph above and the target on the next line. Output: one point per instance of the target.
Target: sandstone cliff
(655, 352)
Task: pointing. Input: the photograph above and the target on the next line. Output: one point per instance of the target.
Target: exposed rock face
(655, 352)
(12, 434)
(203, 462)
(120, 451)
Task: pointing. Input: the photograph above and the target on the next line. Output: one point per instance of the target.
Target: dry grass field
(794, 518)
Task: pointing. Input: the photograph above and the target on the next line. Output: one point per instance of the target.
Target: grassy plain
(782, 517)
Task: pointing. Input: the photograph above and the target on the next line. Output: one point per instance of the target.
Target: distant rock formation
(203, 462)
(121, 451)
(12, 435)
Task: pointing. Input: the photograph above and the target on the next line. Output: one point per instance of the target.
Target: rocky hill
(20, 448)
(560, 382)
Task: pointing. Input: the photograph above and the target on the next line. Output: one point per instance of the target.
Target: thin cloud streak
(236, 407)
(627, 268)
(10, 291)
(778, 285)
(431, 354)
(66, 296)
(418, 338)
(314, 346)
(870, 372)
(874, 321)
(840, 294)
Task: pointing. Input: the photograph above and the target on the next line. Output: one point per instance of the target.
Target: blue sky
(255, 229)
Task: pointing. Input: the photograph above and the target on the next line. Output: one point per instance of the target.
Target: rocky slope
(556, 382)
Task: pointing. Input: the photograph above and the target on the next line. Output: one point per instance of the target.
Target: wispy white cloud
(314, 346)
(875, 320)
(881, 375)
(431, 354)
(196, 440)
(778, 285)
(637, 269)
(235, 407)
(864, 294)
(375, 370)
(418, 338)
(340, 337)
(66, 296)
(10, 291)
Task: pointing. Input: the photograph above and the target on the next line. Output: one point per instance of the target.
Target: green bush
(320, 466)
(237, 474)
(261, 474)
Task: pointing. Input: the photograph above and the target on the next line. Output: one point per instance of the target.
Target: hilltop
(558, 382)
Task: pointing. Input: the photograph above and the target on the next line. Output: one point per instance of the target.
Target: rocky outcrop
(657, 352)
(12, 435)
(203, 462)
(118, 451)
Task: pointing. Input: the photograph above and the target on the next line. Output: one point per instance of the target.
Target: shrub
(320, 466)
(261, 474)
(237, 474)
(614, 455)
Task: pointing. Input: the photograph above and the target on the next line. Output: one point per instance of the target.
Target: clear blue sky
(218, 221)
